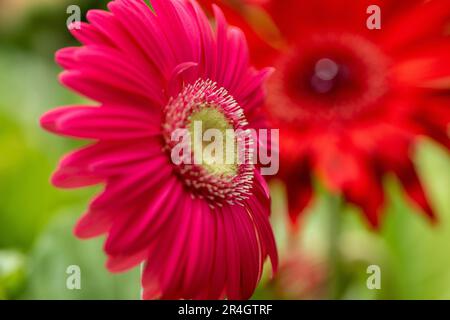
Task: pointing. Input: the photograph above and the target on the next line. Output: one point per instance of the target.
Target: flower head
(202, 229)
(352, 95)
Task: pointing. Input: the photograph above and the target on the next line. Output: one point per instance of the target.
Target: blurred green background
(36, 220)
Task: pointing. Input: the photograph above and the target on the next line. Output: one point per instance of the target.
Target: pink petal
(99, 123)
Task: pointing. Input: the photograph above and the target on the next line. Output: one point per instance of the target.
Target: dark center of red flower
(327, 76)
(330, 77)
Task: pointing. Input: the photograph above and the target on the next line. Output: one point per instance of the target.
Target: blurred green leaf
(57, 249)
(12, 273)
(29, 154)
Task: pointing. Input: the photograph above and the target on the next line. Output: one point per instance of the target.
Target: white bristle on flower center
(206, 106)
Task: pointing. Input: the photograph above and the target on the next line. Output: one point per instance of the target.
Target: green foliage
(12, 274)
(29, 154)
(57, 249)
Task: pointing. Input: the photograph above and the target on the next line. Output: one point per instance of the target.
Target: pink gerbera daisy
(202, 231)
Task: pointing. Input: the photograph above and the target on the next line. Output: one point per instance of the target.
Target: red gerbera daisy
(202, 230)
(351, 100)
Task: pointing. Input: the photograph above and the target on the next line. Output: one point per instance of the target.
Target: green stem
(336, 284)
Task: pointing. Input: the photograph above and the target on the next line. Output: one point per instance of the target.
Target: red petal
(423, 21)
(367, 193)
(411, 183)
(299, 189)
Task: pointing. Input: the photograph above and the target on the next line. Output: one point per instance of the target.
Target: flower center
(332, 77)
(207, 128)
(326, 76)
(210, 118)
